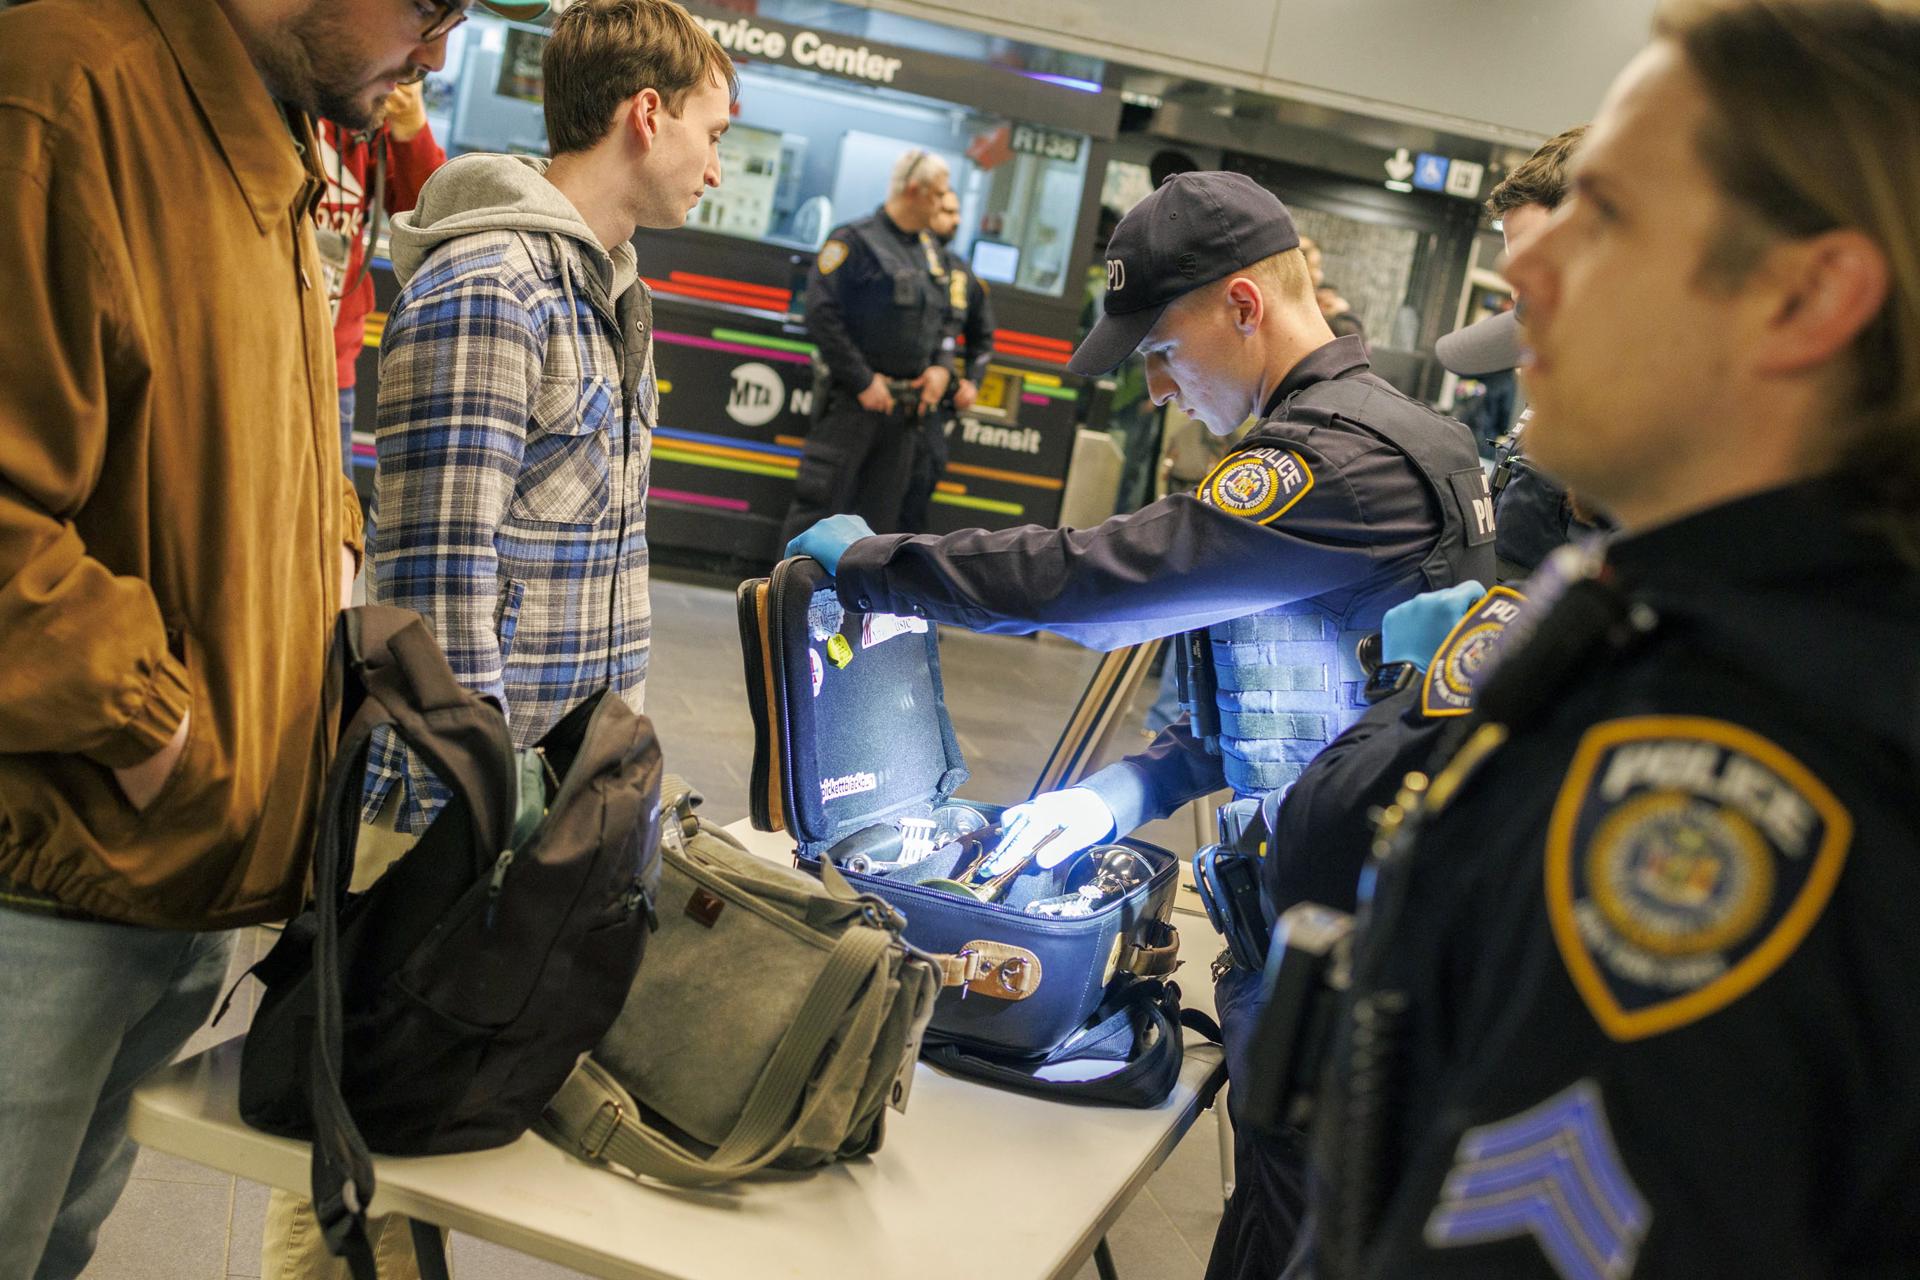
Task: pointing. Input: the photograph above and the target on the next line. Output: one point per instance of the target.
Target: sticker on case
(852, 784)
(878, 628)
(819, 670)
(825, 615)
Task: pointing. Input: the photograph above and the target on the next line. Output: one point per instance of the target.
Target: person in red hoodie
(382, 167)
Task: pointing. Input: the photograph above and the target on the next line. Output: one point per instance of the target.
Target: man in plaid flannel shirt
(517, 392)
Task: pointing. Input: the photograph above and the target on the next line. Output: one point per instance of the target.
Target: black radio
(1308, 969)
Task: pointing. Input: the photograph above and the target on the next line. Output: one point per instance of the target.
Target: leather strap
(960, 968)
(1155, 953)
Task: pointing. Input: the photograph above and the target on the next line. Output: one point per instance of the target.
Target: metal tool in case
(1105, 873)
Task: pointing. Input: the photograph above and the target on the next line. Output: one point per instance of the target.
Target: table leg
(1103, 1261)
(429, 1249)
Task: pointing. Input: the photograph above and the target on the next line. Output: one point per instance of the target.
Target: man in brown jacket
(176, 536)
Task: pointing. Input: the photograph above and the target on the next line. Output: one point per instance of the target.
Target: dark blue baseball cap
(1193, 229)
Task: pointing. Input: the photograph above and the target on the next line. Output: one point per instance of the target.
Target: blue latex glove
(1080, 817)
(1412, 631)
(828, 540)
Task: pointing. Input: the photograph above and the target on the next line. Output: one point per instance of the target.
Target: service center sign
(803, 48)
(1064, 112)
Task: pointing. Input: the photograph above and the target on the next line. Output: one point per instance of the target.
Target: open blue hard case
(853, 739)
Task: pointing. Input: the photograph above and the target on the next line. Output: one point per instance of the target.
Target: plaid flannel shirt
(512, 480)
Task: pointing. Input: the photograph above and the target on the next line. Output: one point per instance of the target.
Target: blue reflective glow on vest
(1287, 683)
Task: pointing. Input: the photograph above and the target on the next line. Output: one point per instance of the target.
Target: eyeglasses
(906, 179)
(442, 16)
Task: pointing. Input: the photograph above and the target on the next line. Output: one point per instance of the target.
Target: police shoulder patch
(1687, 858)
(1466, 654)
(832, 254)
(1261, 484)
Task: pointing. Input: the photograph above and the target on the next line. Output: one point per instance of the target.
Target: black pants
(929, 464)
(1262, 1222)
(855, 462)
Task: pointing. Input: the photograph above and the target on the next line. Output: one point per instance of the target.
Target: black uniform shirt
(1357, 535)
(1533, 512)
(1660, 952)
(1323, 831)
(885, 312)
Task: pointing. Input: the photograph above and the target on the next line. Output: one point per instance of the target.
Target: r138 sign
(1051, 144)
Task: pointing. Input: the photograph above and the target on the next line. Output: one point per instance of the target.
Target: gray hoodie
(517, 402)
(483, 192)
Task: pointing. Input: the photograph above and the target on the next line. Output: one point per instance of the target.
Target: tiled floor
(1009, 697)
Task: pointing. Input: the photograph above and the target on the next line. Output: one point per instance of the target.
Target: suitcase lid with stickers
(851, 729)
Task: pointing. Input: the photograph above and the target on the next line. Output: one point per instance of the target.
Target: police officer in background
(970, 322)
(1346, 499)
(1632, 994)
(1534, 512)
(877, 306)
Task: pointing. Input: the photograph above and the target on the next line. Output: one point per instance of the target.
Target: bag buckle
(598, 1151)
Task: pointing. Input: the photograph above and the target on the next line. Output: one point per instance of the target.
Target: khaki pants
(292, 1247)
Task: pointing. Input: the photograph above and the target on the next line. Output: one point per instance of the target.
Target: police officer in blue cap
(1345, 500)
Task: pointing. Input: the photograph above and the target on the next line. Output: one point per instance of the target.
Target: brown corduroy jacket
(172, 505)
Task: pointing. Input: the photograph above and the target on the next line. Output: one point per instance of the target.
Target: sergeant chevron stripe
(1552, 1173)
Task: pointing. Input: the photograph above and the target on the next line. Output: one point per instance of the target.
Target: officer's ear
(1246, 303)
(1819, 293)
(643, 117)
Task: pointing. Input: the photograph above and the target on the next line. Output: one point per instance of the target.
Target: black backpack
(467, 982)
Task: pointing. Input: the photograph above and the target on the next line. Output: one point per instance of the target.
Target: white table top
(972, 1181)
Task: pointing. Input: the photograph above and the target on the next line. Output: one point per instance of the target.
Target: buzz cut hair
(1283, 277)
(915, 168)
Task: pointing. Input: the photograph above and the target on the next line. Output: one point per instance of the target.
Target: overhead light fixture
(1133, 97)
(1065, 82)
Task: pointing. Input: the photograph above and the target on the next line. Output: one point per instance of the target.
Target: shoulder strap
(384, 670)
(868, 234)
(1449, 468)
(594, 1117)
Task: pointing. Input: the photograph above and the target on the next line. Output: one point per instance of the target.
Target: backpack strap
(597, 1119)
(386, 670)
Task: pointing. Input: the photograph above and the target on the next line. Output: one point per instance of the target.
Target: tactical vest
(898, 327)
(1267, 691)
